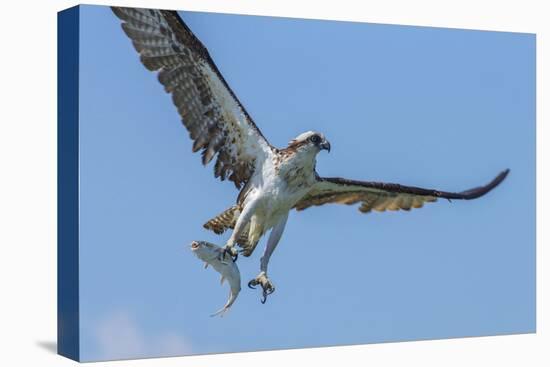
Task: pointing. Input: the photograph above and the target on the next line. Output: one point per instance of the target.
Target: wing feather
(217, 122)
(383, 196)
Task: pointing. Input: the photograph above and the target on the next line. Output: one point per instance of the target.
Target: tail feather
(223, 221)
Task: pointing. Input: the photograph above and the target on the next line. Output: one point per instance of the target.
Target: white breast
(276, 187)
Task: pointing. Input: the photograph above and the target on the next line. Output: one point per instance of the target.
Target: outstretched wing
(217, 122)
(383, 196)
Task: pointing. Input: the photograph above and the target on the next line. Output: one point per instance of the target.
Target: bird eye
(315, 139)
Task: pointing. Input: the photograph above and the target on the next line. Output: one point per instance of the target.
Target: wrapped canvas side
(67, 194)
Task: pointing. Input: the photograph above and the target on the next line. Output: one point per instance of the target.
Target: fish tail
(224, 309)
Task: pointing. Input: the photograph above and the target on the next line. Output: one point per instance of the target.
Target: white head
(309, 141)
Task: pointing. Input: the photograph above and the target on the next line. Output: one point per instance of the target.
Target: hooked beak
(325, 145)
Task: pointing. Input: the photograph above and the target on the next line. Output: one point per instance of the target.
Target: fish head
(205, 250)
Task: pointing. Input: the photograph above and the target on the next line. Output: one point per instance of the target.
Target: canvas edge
(68, 32)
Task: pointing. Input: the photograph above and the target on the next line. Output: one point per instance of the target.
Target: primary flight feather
(272, 181)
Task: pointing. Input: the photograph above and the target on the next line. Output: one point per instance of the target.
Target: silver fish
(213, 255)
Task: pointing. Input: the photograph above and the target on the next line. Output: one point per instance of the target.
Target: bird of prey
(272, 181)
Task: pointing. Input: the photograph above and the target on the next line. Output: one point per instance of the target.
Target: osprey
(271, 181)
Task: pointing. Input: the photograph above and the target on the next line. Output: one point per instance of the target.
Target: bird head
(310, 141)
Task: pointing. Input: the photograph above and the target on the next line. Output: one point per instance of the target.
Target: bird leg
(240, 225)
(267, 285)
(262, 279)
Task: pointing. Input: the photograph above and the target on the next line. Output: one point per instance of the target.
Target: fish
(214, 256)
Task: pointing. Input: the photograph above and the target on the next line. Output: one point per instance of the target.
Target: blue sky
(431, 107)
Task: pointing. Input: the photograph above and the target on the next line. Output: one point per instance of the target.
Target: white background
(28, 181)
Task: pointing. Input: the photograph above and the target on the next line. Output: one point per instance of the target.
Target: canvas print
(346, 183)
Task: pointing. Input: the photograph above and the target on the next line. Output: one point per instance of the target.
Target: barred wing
(383, 196)
(217, 122)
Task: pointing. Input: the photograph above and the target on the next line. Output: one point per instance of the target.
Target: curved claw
(266, 292)
(265, 283)
(226, 250)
